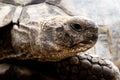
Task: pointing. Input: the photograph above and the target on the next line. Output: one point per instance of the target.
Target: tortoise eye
(76, 27)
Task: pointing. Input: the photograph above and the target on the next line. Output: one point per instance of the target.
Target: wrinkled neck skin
(54, 38)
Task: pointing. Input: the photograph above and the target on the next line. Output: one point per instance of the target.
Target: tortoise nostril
(76, 27)
(92, 36)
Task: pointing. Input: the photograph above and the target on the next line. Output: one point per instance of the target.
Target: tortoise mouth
(84, 44)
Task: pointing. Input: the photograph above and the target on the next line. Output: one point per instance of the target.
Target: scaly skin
(79, 67)
(87, 67)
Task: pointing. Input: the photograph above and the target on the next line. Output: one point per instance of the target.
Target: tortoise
(40, 35)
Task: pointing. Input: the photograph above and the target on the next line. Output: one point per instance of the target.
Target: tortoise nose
(76, 27)
(92, 36)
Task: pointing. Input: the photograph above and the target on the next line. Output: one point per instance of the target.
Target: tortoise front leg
(79, 67)
(87, 67)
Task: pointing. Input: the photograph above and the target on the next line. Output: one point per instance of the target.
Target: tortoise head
(66, 36)
(56, 38)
